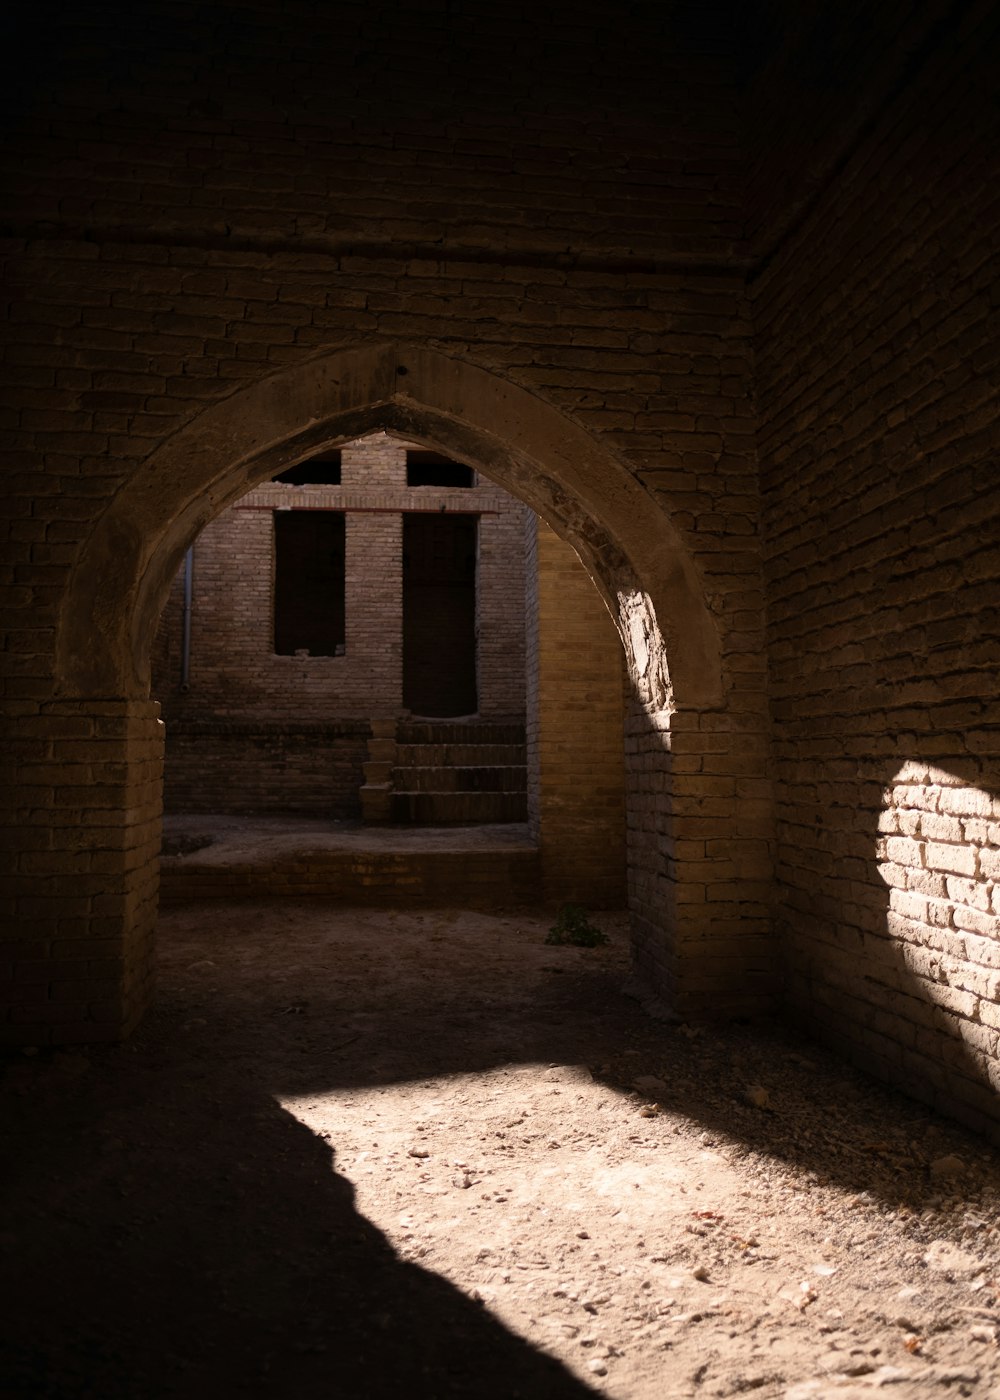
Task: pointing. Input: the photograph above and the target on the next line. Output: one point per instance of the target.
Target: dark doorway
(439, 614)
(309, 582)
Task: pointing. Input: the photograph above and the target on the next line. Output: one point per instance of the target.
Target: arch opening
(585, 493)
(701, 944)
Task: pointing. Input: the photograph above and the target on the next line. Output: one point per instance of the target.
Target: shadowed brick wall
(878, 387)
(259, 765)
(488, 128)
(576, 759)
(90, 770)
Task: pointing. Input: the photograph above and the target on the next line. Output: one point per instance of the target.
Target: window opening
(309, 552)
(431, 469)
(318, 471)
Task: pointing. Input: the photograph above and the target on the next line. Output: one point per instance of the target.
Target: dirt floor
(363, 1154)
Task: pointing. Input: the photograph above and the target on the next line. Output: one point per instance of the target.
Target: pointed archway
(583, 490)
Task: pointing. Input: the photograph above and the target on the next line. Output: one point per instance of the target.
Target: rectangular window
(318, 471)
(309, 582)
(431, 469)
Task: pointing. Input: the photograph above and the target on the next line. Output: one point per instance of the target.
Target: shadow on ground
(177, 1233)
(462, 994)
(152, 1263)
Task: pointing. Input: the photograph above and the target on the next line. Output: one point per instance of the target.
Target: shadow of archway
(180, 1233)
(196, 1242)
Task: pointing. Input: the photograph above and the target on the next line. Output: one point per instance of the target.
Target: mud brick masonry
(251, 731)
(254, 731)
(712, 289)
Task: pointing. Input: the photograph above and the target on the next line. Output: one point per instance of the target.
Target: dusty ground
(364, 1154)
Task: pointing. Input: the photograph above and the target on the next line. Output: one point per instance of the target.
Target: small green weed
(573, 926)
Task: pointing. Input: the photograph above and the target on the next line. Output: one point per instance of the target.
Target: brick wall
(209, 202)
(260, 766)
(234, 671)
(576, 760)
(388, 127)
(835, 66)
(253, 731)
(78, 898)
(877, 384)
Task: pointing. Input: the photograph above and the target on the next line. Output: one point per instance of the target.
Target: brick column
(576, 771)
(699, 838)
(499, 613)
(82, 813)
(374, 609)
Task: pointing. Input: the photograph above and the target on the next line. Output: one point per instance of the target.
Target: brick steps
(457, 808)
(458, 773)
(510, 777)
(468, 731)
(460, 755)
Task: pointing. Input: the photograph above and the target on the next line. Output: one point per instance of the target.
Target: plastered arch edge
(585, 493)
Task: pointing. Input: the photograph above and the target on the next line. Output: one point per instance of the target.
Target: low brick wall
(469, 879)
(265, 766)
